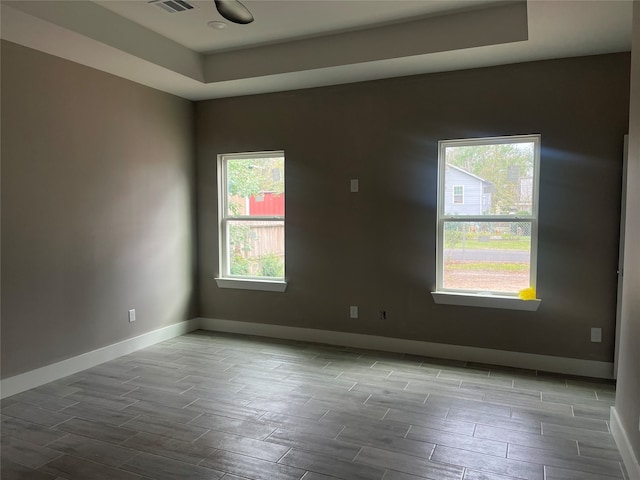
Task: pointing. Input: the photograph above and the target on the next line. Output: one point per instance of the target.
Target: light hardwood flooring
(217, 406)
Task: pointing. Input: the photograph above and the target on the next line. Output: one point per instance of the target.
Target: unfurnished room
(320, 240)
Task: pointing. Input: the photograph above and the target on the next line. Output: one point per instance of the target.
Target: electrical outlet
(132, 315)
(353, 311)
(354, 185)
(596, 335)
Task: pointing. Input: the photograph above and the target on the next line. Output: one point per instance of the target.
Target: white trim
(547, 363)
(485, 300)
(40, 376)
(34, 378)
(250, 284)
(624, 445)
(623, 221)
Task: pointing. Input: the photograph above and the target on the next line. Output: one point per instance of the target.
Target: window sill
(485, 301)
(250, 284)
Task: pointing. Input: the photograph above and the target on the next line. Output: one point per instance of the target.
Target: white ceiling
(306, 43)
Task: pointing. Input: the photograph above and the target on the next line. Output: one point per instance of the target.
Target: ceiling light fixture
(217, 25)
(234, 11)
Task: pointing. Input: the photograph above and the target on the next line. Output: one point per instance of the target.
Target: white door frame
(623, 212)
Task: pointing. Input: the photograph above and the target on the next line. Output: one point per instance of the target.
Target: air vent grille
(173, 6)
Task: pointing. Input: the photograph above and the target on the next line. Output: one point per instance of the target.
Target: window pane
(256, 248)
(458, 194)
(496, 179)
(255, 187)
(487, 256)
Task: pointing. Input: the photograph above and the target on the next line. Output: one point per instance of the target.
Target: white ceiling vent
(172, 6)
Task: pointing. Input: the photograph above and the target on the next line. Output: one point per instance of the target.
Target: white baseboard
(620, 436)
(40, 376)
(34, 378)
(547, 363)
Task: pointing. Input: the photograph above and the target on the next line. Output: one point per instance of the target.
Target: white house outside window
(487, 215)
(251, 221)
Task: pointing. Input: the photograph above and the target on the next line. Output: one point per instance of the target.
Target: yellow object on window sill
(527, 293)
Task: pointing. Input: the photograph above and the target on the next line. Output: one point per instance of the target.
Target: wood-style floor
(213, 406)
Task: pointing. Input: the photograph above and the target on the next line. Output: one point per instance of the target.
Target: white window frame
(453, 195)
(224, 278)
(477, 298)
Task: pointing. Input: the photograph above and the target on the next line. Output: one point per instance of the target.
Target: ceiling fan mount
(234, 11)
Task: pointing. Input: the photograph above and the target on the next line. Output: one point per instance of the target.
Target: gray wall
(97, 209)
(628, 389)
(98, 205)
(376, 249)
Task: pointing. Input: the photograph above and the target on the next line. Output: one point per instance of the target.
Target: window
(487, 215)
(251, 221)
(458, 194)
